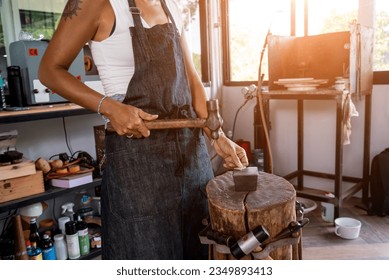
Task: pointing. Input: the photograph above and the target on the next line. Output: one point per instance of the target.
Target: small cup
(347, 228)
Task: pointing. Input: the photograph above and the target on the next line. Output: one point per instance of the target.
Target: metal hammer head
(214, 121)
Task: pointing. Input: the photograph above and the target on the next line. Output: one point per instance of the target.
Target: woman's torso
(114, 56)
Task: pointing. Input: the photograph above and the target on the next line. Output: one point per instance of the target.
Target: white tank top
(114, 56)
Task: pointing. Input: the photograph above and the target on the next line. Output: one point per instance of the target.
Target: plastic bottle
(72, 242)
(48, 249)
(83, 237)
(61, 223)
(67, 210)
(61, 250)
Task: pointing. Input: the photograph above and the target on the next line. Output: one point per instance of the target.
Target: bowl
(307, 204)
(32, 211)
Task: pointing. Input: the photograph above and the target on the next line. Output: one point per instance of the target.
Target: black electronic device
(15, 87)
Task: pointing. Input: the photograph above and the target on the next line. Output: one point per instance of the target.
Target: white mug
(347, 228)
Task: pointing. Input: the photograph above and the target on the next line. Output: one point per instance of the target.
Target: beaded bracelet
(101, 102)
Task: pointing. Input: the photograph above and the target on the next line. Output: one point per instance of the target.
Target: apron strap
(167, 11)
(138, 32)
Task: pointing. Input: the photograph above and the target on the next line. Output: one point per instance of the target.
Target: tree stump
(234, 213)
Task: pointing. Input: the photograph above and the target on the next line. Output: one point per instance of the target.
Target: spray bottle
(67, 210)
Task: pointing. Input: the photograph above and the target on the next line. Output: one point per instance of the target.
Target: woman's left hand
(234, 155)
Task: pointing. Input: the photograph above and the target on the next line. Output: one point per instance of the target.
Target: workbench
(338, 178)
(346, 54)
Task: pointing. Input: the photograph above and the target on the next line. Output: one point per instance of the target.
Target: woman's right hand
(126, 119)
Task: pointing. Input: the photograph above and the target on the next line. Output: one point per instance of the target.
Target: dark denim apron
(153, 194)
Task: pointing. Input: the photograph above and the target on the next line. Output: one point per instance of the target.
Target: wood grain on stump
(233, 213)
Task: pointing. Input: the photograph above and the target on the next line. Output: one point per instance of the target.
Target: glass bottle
(28, 249)
(48, 249)
(34, 233)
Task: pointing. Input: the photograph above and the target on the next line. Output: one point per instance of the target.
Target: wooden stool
(234, 213)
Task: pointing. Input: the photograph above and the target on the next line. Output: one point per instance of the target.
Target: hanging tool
(288, 236)
(258, 238)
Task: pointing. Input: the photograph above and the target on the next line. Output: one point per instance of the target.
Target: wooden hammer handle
(171, 123)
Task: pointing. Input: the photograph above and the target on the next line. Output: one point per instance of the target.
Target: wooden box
(19, 187)
(24, 168)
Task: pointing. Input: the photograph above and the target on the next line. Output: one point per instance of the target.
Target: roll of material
(20, 244)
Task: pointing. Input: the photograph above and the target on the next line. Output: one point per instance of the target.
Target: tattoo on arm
(71, 8)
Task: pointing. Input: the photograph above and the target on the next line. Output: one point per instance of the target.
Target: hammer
(213, 121)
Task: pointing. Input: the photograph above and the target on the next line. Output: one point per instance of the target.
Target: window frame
(203, 14)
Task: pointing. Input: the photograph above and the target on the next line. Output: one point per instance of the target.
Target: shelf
(34, 113)
(51, 193)
(93, 254)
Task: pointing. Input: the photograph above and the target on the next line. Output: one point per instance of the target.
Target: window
(331, 15)
(381, 49)
(195, 17)
(245, 23)
(39, 23)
